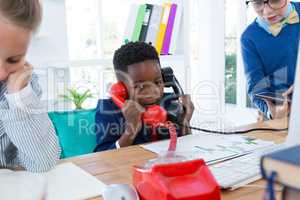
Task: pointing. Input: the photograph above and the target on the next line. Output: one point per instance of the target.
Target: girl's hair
(24, 13)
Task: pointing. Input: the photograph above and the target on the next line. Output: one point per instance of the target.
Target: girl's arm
(29, 128)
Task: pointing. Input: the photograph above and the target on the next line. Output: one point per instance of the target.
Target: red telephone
(154, 114)
(189, 180)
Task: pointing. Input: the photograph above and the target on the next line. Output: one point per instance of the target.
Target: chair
(75, 130)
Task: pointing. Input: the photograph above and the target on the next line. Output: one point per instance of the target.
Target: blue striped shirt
(27, 136)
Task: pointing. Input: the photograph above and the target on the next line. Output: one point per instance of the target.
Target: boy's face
(146, 83)
(14, 42)
(271, 15)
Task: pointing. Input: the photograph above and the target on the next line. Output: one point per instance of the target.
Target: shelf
(170, 58)
(108, 61)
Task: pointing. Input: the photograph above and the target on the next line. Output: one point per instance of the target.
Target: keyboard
(240, 171)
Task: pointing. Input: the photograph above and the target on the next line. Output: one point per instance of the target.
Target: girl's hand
(19, 79)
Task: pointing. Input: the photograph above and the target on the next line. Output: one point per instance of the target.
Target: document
(64, 182)
(211, 147)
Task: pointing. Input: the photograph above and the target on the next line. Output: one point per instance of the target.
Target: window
(95, 31)
(194, 35)
(231, 51)
(114, 13)
(82, 29)
(94, 28)
(251, 15)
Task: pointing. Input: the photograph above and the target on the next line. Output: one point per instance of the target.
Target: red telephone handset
(154, 114)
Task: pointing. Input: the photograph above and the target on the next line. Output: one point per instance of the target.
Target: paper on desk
(211, 147)
(64, 182)
(67, 181)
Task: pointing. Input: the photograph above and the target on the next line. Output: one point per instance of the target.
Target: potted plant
(77, 98)
(75, 129)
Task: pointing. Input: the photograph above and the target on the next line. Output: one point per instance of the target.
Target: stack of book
(155, 24)
(283, 167)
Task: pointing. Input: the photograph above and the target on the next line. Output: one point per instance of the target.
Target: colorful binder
(176, 30)
(146, 21)
(169, 30)
(154, 24)
(163, 27)
(131, 22)
(139, 22)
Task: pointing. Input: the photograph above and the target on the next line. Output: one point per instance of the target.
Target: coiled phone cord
(172, 131)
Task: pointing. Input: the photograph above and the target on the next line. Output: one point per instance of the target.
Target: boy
(137, 65)
(27, 137)
(269, 47)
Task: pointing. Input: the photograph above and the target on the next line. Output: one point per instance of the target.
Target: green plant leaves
(76, 97)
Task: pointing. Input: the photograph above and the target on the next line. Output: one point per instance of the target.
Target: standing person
(269, 50)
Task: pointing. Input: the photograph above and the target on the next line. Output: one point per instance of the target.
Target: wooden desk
(116, 166)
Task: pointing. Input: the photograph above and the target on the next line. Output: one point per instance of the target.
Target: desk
(116, 166)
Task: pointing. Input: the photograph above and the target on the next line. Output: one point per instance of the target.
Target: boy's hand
(188, 105)
(281, 111)
(132, 113)
(288, 92)
(19, 79)
(278, 111)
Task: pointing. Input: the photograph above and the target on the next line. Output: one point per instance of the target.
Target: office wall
(49, 46)
(208, 75)
(49, 53)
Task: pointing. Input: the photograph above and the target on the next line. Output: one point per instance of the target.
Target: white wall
(208, 75)
(49, 46)
(49, 52)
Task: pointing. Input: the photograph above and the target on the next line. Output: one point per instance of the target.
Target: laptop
(293, 137)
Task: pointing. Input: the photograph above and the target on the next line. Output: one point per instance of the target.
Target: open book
(211, 147)
(64, 182)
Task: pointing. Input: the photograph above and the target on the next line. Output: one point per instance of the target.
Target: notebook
(169, 30)
(163, 27)
(64, 182)
(145, 26)
(154, 24)
(176, 28)
(286, 163)
(139, 23)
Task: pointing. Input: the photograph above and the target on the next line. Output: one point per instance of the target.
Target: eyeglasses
(259, 5)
